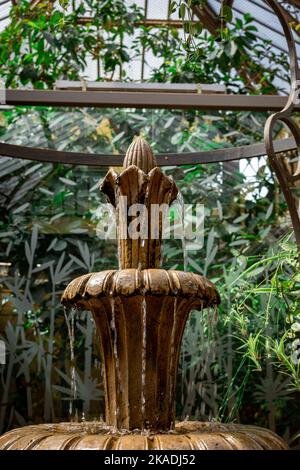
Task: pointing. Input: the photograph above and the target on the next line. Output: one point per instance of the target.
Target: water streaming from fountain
(172, 353)
(70, 322)
(144, 351)
(115, 353)
(180, 201)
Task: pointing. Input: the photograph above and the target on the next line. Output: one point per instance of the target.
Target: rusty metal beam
(75, 85)
(294, 2)
(151, 100)
(178, 24)
(286, 176)
(163, 159)
(209, 19)
(292, 21)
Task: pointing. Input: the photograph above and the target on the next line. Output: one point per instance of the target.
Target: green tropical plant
(44, 43)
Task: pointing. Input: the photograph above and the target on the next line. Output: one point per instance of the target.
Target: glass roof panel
(266, 22)
(157, 9)
(4, 13)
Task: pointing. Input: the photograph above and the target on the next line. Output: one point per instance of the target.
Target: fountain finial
(140, 154)
(140, 193)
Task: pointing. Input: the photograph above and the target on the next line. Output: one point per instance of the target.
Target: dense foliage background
(241, 365)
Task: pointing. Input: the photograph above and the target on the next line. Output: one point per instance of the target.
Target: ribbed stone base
(188, 435)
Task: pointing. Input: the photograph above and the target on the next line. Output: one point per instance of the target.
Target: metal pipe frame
(145, 99)
(163, 159)
(86, 85)
(285, 176)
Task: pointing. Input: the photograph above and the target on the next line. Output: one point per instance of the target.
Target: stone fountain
(140, 312)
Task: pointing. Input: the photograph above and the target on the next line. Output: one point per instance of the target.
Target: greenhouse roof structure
(156, 14)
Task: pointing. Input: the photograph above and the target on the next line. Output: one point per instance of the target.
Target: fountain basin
(140, 317)
(140, 312)
(188, 436)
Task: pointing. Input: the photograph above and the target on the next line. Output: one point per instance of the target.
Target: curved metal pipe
(226, 154)
(284, 175)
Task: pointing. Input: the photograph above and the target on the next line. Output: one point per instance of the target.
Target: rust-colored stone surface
(191, 435)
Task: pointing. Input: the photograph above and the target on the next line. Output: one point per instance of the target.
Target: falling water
(119, 234)
(115, 352)
(144, 346)
(172, 358)
(70, 321)
(216, 312)
(140, 260)
(180, 201)
(214, 323)
(212, 319)
(119, 253)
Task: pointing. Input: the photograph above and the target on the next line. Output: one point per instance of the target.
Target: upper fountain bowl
(147, 282)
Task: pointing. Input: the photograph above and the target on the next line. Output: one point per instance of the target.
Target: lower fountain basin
(140, 317)
(188, 435)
